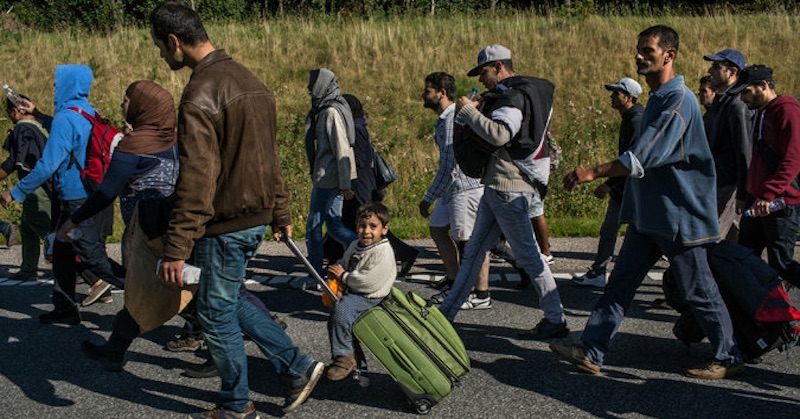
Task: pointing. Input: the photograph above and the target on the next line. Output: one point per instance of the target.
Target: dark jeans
(34, 225)
(638, 254)
(776, 232)
(88, 249)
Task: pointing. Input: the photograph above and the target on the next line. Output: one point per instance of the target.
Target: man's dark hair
(373, 208)
(175, 17)
(705, 80)
(442, 81)
(508, 65)
(667, 37)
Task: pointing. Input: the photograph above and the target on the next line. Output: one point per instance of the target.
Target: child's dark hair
(10, 104)
(373, 208)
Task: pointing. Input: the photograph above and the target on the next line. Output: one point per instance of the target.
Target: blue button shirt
(671, 191)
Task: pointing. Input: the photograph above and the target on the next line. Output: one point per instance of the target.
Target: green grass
(384, 62)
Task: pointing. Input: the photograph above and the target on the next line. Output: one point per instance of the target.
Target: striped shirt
(449, 178)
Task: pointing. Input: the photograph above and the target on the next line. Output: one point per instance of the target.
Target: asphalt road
(43, 373)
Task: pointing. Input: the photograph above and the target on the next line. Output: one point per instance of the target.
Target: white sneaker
(440, 297)
(475, 303)
(591, 279)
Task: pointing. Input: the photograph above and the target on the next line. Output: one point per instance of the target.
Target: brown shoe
(574, 354)
(714, 370)
(341, 368)
(95, 292)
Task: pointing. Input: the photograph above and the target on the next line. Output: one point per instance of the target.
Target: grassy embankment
(384, 63)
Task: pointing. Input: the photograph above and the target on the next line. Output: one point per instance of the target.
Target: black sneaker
(99, 353)
(69, 317)
(545, 330)
(205, 370)
(300, 388)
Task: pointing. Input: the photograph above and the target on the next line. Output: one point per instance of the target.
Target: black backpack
(762, 314)
(534, 96)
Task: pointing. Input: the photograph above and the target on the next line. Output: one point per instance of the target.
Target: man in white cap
(508, 124)
(624, 94)
(727, 124)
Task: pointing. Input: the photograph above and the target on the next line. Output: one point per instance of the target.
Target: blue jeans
(224, 314)
(325, 207)
(506, 213)
(690, 265)
(343, 316)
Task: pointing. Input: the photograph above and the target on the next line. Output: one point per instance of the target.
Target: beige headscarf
(151, 113)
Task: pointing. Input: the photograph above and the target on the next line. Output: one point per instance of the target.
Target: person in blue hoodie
(69, 133)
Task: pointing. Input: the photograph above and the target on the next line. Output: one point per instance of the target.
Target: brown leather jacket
(230, 177)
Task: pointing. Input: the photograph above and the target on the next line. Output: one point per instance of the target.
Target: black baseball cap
(751, 75)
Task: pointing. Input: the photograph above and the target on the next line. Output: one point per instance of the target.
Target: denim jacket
(671, 191)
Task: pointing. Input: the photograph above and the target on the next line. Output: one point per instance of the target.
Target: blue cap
(730, 55)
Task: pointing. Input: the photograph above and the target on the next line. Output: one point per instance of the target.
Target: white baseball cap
(492, 53)
(626, 85)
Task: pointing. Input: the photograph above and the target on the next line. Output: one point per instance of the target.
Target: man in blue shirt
(670, 211)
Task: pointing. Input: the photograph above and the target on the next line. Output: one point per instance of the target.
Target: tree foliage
(104, 15)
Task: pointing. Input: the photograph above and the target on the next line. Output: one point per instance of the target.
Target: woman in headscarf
(365, 190)
(143, 172)
(330, 134)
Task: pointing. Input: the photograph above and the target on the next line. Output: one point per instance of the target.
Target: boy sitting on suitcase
(367, 272)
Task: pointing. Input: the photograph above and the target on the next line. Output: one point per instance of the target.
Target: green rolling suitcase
(416, 344)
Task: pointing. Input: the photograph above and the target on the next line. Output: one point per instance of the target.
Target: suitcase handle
(423, 308)
(401, 358)
(313, 272)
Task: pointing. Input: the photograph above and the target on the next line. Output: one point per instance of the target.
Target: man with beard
(774, 169)
(669, 210)
(456, 195)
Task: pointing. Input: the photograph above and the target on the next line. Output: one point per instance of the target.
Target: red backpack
(101, 144)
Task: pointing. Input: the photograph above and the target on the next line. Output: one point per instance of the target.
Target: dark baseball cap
(731, 55)
(751, 75)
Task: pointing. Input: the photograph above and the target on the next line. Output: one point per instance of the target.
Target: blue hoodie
(70, 132)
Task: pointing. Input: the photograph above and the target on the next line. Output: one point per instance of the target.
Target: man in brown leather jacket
(229, 188)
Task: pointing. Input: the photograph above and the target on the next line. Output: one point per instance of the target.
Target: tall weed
(384, 61)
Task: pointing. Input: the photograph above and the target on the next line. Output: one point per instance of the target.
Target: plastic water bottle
(776, 204)
(12, 95)
(473, 96)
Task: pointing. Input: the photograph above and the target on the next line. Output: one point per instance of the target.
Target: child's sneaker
(475, 303)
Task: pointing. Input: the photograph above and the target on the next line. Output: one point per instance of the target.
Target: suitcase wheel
(423, 406)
